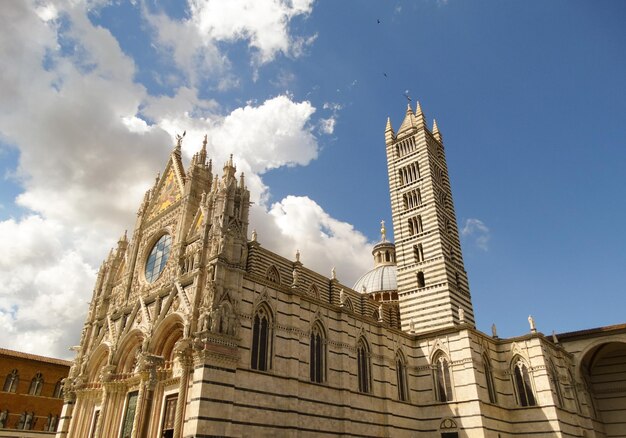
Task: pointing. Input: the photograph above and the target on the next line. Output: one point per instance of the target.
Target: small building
(32, 392)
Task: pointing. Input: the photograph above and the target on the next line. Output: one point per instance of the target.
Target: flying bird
(385, 74)
(378, 21)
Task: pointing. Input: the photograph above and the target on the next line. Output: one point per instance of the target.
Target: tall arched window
(363, 366)
(317, 356)
(403, 388)
(489, 378)
(58, 389)
(36, 384)
(10, 383)
(523, 387)
(554, 379)
(261, 340)
(443, 381)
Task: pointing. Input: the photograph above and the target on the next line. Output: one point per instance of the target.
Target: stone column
(107, 388)
(148, 383)
(69, 401)
(184, 357)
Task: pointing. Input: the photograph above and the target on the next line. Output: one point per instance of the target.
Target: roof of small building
(21, 355)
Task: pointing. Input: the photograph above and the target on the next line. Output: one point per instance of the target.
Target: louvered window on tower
(421, 282)
(409, 174)
(418, 252)
(415, 225)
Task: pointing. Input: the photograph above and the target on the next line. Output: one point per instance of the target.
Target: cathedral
(196, 330)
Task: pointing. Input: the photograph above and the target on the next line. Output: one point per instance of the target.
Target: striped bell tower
(433, 290)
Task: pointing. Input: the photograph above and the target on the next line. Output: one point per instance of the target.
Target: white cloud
(263, 24)
(476, 230)
(299, 223)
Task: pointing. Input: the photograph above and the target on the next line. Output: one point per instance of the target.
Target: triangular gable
(168, 192)
(196, 224)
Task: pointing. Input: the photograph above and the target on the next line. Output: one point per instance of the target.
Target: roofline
(591, 332)
(22, 355)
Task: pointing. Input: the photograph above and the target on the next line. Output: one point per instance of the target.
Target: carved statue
(342, 297)
(494, 331)
(297, 255)
(461, 315)
(254, 235)
(295, 277)
(531, 322)
(380, 313)
(333, 274)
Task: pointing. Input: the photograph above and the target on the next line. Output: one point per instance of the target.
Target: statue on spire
(383, 232)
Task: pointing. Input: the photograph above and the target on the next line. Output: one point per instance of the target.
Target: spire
(409, 120)
(419, 116)
(241, 180)
(389, 134)
(229, 168)
(383, 232)
(436, 132)
(203, 150)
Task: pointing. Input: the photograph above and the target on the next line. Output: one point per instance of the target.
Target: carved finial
(297, 255)
(254, 235)
(531, 322)
(383, 232)
(494, 330)
(333, 274)
(241, 180)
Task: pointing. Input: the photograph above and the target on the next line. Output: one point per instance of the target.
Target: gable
(168, 193)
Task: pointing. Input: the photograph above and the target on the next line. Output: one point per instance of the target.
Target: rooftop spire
(203, 150)
(419, 115)
(436, 132)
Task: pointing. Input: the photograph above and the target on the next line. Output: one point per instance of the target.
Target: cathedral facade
(196, 330)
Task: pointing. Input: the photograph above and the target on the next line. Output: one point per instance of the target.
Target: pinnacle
(388, 127)
(435, 128)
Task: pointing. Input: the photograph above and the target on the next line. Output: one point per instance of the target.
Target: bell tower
(433, 290)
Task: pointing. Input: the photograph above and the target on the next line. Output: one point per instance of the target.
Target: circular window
(158, 258)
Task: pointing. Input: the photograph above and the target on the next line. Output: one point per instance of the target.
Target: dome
(381, 278)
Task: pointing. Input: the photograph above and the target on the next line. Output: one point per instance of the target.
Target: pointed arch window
(36, 384)
(556, 384)
(58, 389)
(261, 340)
(491, 390)
(11, 381)
(159, 254)
(363, 366)
(313, 291)
(523, 386)
(317, 354)
(443, 380)
(272, 274)
(401, 377)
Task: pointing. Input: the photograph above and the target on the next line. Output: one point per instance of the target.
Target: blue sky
(530, 99)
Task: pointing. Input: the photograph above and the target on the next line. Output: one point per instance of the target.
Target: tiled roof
(21, 355)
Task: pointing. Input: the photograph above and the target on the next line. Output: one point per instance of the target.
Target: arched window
(317, 356)
(363, 366)
(261, 340)
(36, 384)
(421, 281)
(51, 424)
(10, 383)
(418, 252)
(443, 381)
(348, 305)
(572, 383)
(554, 380)
(4, 415)
(489, 378)
(272, 274)
(403, 389)
(58, 389)
(523, 387)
